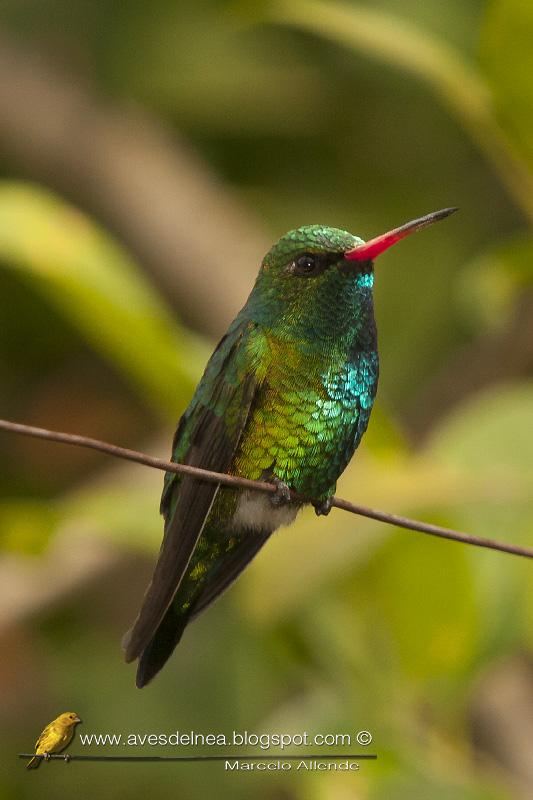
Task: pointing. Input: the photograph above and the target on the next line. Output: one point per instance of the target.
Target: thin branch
(184, 759)
(235, 481)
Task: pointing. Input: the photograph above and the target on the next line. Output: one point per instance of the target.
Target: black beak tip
(433, 216)
(446, 212)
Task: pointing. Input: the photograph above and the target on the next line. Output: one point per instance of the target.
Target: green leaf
(407, 47)
(26, 526)
(505, 53)
(489, 441)
(491, 435)
(489, 288)
(91, 281)
(424, 599)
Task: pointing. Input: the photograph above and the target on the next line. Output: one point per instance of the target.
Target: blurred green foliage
(104, 296)
(361, 116)
(505, 53)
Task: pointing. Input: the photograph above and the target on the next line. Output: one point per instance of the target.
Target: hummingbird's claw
(323, 508)
(66, 758)
(282, 494)
(47, 756)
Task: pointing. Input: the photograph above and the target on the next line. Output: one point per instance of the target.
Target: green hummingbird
(286, 397)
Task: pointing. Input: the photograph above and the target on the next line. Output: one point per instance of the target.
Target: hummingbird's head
(318, 277)
(309, 253)
(307, 268)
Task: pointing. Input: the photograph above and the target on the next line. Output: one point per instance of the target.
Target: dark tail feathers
(165, 640)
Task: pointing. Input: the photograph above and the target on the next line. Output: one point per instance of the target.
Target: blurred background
(150, 153)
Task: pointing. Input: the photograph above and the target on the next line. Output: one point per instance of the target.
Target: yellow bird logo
(55, 737)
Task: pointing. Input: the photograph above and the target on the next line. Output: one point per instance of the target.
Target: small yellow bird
(55, 737)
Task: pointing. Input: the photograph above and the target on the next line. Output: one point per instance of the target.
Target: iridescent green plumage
(286, 397)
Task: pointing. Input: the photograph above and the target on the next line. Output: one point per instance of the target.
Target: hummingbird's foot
(282, 495)
(47, 756)
(323, 508)
(66, 758)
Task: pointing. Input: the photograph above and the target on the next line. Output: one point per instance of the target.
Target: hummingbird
(285, 397)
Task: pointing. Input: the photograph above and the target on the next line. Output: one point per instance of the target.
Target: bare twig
(259, 486)
(186, 759)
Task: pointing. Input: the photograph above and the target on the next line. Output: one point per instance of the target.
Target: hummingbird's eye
(306, 264)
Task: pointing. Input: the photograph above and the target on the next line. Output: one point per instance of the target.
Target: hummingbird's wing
(220, 573)
(230, 569)
(207, 436)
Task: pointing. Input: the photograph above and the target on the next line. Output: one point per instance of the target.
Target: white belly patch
(255, 511)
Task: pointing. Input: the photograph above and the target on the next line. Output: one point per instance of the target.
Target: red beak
(373, 248)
